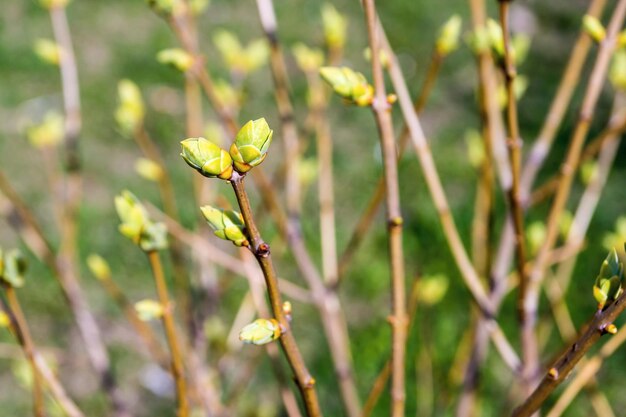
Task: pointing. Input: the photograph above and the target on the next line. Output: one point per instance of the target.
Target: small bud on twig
(260, 332)
(12, 268)
(98, 266)
(148, 310)
(226, 224)
(207, 158)
(137, 225)
(251, 145)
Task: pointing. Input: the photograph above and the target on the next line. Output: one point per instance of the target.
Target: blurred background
(120, 39)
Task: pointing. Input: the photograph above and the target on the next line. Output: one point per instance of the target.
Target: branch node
(553, 374)
(263, 250)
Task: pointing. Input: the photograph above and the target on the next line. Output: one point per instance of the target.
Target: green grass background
(119, 39)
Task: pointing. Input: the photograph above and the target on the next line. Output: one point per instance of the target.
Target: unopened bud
(260, 332)
(251, 145)
(98, 266)
(207, 158)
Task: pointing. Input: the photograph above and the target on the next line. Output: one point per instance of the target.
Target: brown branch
(285, 107)
(587, 373)
(566, 362)
(543, 143)
(261, 251)
(566, 172)
(529, 342)
(176, 361)
(398, 319)
(366, 220)
(30, 231)
(22, 332)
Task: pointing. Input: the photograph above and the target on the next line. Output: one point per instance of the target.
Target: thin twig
(366, 219)
(586, 373)
(566, 174)
(568, 360)
(22, 332)
(398, 319)
(170, 331)
(515, 208)
(261, 251)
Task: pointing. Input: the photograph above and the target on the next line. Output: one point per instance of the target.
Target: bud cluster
(247, 151)
(12, 268)
(608, 285)
(137, 225)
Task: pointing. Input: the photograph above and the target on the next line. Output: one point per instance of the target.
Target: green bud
(98, 266)
(593, 27)
(335, 26)
(12, 268)
(520, 85)
(617, 72)
(520, 45)
(130, 111)
(478, 40)
(226, 224)
(53, 4)
(207, 158)
(48, 51)
(382, 55)
(535, 235)
(226, 94)
(177, 58)
(251, 145)
(167, 7)
(475, 147)
(449, 35)
(197, 7)
(237, 58)
(608, 285)
(431, 289)
(148, 310)
(565, 223)
(496, 39)
(349, 84)
(260, 332)
(5, 320)
(616, 238)
(308, 59)
(149, 169)
(137, 225)
(49, 133)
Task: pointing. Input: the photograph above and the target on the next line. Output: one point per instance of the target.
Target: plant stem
(567, 172)
(177, 368)
(261, 251)
(541, 146)
(586, 373)
(366, 220)
(399, 321)
(566, 362)
(515, 143)
(25, 339)
(143, 330)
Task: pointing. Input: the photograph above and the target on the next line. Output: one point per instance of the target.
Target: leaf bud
(349, 84)
(335, 26)
(593, 28)
(48, 51)
(207, 158)
(251, 145)
(99, 267)
(226, 224)
(608, 285)
(260, 332)
(49, 133)
(149, 169)
(148, 310)
(137, 225)
(176, 58)
(130, 111)
(308, 59)
(449, 35)
(12, 268)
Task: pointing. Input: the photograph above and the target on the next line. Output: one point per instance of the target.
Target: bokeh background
(120, 39)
